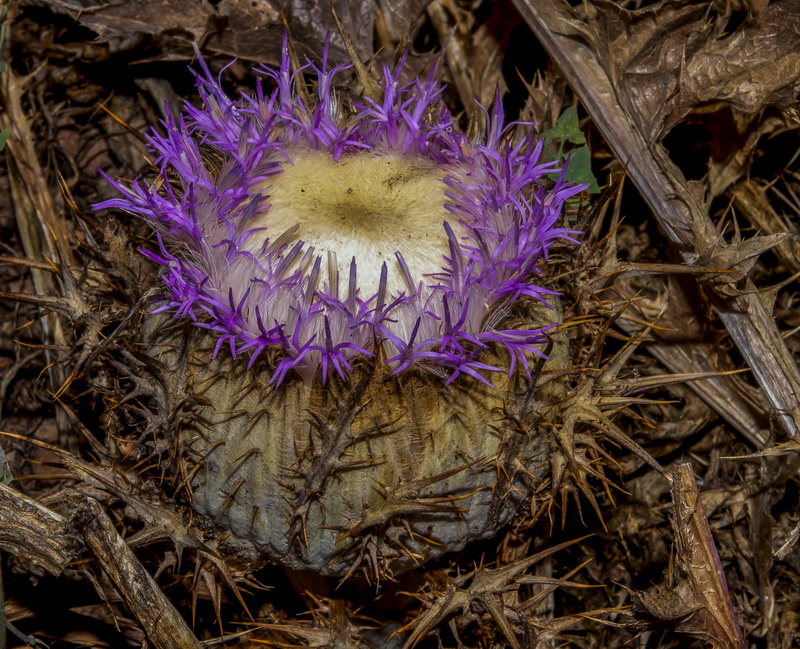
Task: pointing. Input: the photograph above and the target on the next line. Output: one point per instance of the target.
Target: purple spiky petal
(277, 296)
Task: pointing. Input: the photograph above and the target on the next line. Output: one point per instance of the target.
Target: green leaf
(580, 169)
(567, 132)
(567, 128)
(3, 138)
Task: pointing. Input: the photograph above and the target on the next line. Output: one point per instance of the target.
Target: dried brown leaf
(670, 57)
(250, 29)
(750, 200)
(697, 600)
(399, 16)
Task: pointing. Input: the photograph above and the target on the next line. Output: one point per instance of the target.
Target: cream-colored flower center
(368, 206)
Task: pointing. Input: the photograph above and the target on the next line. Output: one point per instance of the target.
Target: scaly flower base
(371, 476)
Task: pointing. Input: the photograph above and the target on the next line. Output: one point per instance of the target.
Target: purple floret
(278, 299)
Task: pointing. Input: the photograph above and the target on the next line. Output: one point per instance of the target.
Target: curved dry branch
(41, 536)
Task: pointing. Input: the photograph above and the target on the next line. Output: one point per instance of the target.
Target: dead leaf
(697, 600)
(670, 57)
(249, 29)
(399, 16)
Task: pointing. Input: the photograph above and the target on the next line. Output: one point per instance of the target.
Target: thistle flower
(334, 231)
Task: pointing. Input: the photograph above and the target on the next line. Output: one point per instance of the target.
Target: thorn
(231, 496)
(371, 87)
(135, 132)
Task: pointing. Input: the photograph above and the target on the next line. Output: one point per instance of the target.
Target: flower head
(338, 229)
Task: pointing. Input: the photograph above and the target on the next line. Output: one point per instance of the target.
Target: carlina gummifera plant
(361, 275)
